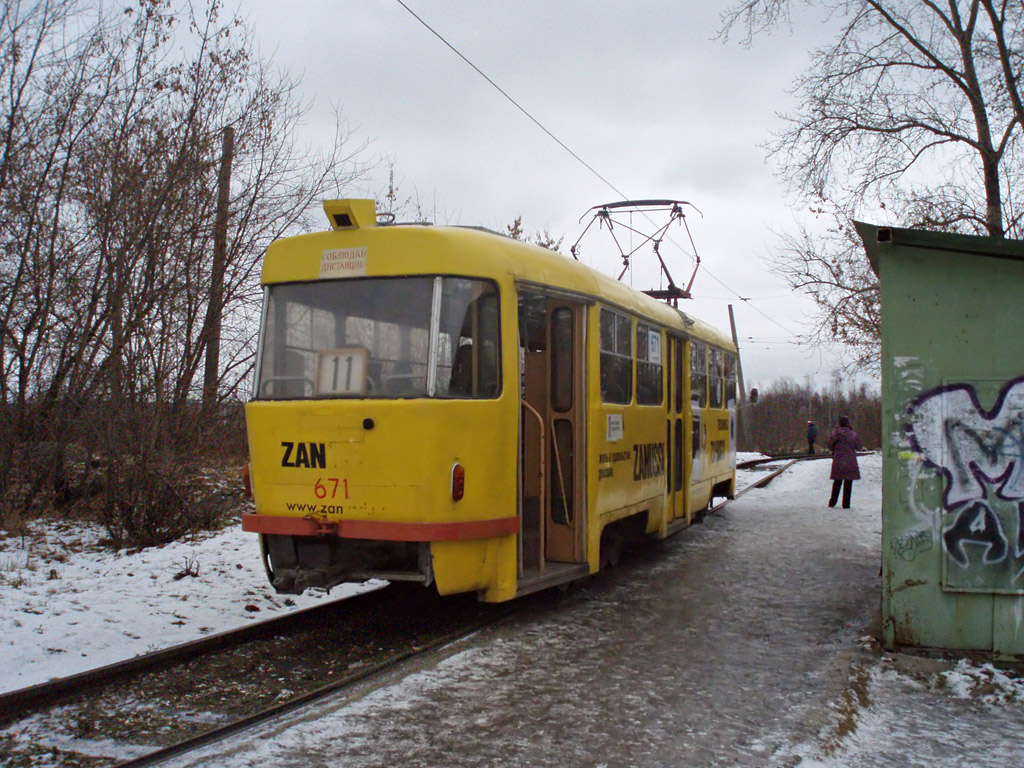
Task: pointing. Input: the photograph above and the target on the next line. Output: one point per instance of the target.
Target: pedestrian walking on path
(844, 444)
(812, 436)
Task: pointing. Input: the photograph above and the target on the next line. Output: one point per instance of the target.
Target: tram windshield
(380, 337)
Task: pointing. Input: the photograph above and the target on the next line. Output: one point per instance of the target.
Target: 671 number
(328, 487)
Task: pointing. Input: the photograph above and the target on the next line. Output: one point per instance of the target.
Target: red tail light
(246, 481)
(458, 482)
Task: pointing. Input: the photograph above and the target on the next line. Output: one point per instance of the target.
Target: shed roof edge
(875, 237)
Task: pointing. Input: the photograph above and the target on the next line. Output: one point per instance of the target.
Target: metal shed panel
(953, 439)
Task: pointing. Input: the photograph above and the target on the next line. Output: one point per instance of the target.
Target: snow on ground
(68, 604)
(508, 701)
(967, 717)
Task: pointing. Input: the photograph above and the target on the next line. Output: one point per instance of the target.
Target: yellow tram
(452, 406)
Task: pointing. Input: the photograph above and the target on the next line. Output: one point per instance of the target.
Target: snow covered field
(66, 605)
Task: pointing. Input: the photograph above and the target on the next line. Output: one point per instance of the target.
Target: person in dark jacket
(812, 436)
(844, 444)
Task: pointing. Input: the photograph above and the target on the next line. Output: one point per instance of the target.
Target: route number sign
(342, 371)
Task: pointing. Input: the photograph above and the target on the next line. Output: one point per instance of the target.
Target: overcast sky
(642, 92)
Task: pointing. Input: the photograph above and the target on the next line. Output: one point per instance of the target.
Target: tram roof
(379, 251)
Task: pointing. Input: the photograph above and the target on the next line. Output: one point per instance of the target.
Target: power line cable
(750, 303)
(515, 103)
(562, 144)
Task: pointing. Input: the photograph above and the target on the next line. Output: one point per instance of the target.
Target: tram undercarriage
(296, 563)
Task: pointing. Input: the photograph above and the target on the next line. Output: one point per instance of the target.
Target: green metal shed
(953, 439)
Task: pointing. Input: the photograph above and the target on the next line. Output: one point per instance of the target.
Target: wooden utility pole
(215, 306)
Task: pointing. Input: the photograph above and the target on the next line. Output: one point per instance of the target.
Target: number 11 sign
(342, 371)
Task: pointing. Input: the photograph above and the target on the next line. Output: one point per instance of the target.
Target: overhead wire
(584, 163)
(514, 103)
(748, 301)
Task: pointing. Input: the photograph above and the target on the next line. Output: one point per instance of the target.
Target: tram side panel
(628, 458)
(712, 424)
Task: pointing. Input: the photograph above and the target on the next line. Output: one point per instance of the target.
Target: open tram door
(552, 418)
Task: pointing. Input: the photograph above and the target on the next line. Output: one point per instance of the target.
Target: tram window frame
(731, 363)
(649, 366)
(562, 368)
(616, 348)
(698, 374)
(677, 367)
(411, 328)
(479, 330)
(716, 378)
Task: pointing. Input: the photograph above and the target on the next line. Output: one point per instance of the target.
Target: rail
(370, 672)
(299, 652)
(55, 690)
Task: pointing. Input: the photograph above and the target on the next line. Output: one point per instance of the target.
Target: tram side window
(730, 381)
(616, 357)
(716, 378)
(698, 374)
(648, 365)
(677, 373)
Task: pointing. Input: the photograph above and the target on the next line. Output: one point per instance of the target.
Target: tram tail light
(246, 480)
(458, 482)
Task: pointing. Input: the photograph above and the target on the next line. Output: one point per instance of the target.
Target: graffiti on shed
(979, 454)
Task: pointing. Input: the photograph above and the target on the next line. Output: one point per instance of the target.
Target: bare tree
(110, 149)
(833, 271)
(913, 112)
(48, 99)
(777, 423)
(543, 237)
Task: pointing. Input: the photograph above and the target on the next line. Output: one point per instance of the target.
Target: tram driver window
(372, 337)
(616, 357)
(648, 365)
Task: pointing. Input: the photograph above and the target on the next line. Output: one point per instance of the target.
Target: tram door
(551, 344)
(674, 427)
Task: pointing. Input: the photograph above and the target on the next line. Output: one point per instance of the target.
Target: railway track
(750, 463)
(154, 707)
(151, 708)
(371, 670)
(53, 691)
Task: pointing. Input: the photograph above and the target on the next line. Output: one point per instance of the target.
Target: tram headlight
(458, 481)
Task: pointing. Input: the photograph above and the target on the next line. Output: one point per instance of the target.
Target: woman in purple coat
(844, 445)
